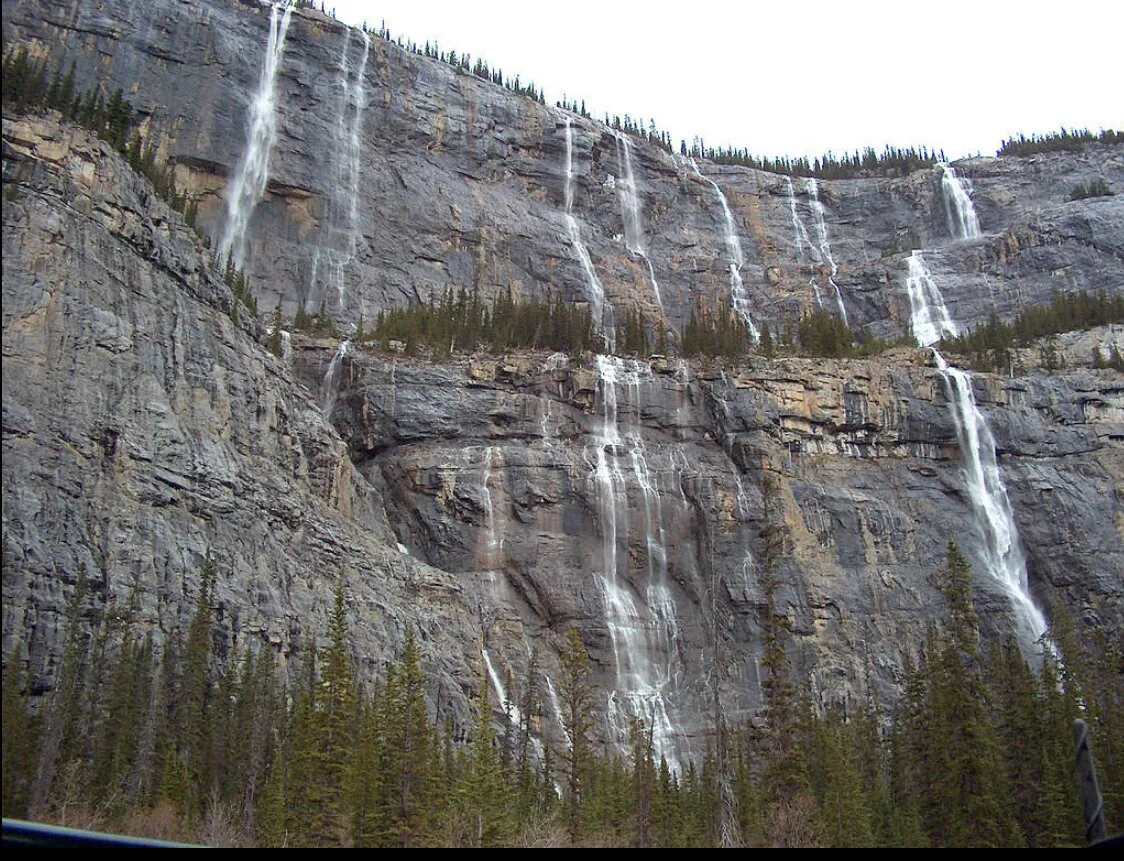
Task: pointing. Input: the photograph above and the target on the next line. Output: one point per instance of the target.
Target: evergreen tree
(576, 696)
(484, 797)
(323, 745)
(19, 739)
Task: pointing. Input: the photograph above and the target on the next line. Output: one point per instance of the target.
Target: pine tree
(323, 740)
(19, 739)
(968, 800)
(576, 694)
(483, 797)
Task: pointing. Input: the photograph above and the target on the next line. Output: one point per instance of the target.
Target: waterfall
(287, 348)
(330, 387)
(630, 209)
(599, 307)
(510, 709)
(351, 133)
(800, 232)
(824, 246)
(339, 242)
(643, 624)
(493, 546)
(252, 173)
(958, 208)
(506, 705)
(739, 299)
(1002, 556)
(556, 704)
(929, 318)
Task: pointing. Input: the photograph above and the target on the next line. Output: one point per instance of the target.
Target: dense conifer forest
(192, 737)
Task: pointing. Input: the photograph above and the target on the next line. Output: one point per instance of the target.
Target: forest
(188, 736)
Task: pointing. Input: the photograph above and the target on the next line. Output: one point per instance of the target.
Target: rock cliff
(497, 501)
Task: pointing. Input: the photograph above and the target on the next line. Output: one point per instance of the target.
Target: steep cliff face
(143, 430)
(394, 177)
(584, 493)
(499, 501)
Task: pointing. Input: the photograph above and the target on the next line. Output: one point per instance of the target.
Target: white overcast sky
(799, 78)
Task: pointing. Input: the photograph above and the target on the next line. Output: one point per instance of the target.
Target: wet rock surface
(476, 496)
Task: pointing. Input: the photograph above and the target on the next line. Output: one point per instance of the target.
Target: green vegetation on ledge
(988, 347)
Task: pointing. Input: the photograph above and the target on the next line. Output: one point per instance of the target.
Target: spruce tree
(576, 694)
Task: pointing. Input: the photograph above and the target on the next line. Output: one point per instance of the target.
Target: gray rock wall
(461, 185)
(143, 429)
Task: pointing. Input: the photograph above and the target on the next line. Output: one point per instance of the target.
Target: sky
(803, 78)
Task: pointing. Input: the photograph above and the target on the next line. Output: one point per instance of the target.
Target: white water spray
(330, 387)
(339, 240)
(253, 169)
(493, 548)
(598, 307)
(1002, 556)
(630, 209)
(824, 246)
(287, 348)
(739, 298)
(800, 232)
(642, 627)
(961, 214)
(929, 317)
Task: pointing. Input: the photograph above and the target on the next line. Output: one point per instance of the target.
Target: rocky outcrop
(143, 431)
(498, 501)
(459, 183)
(489, 468)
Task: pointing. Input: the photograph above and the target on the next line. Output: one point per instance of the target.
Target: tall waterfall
(642, 622)
(252, 173)
(824, 246)
(339, 241)
(1002, 556)
(630, 209)
(739, 298)
(349, 132)
(287, 347)
(598, 306)
(492, 555)
(800, 232)
(958, 208)
(330, 387)
(929, 318)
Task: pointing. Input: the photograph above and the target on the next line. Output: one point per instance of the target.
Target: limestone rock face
(395, 177)
(497, 501)
(143, 431)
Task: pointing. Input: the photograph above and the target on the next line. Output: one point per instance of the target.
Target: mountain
(496, 501)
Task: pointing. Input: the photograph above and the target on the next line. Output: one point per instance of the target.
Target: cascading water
(508, 706)
(824, 246)
(252, 173)
(739, 298)
(800, 232)
(350, 135)
(598, 306)
(1002, 556)
(493, 547)
(929, 317)
(339, 243)
(287, 347)
(330, 387)
(958, 208)
(556, 704)
(642, 627)
(630, 209)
